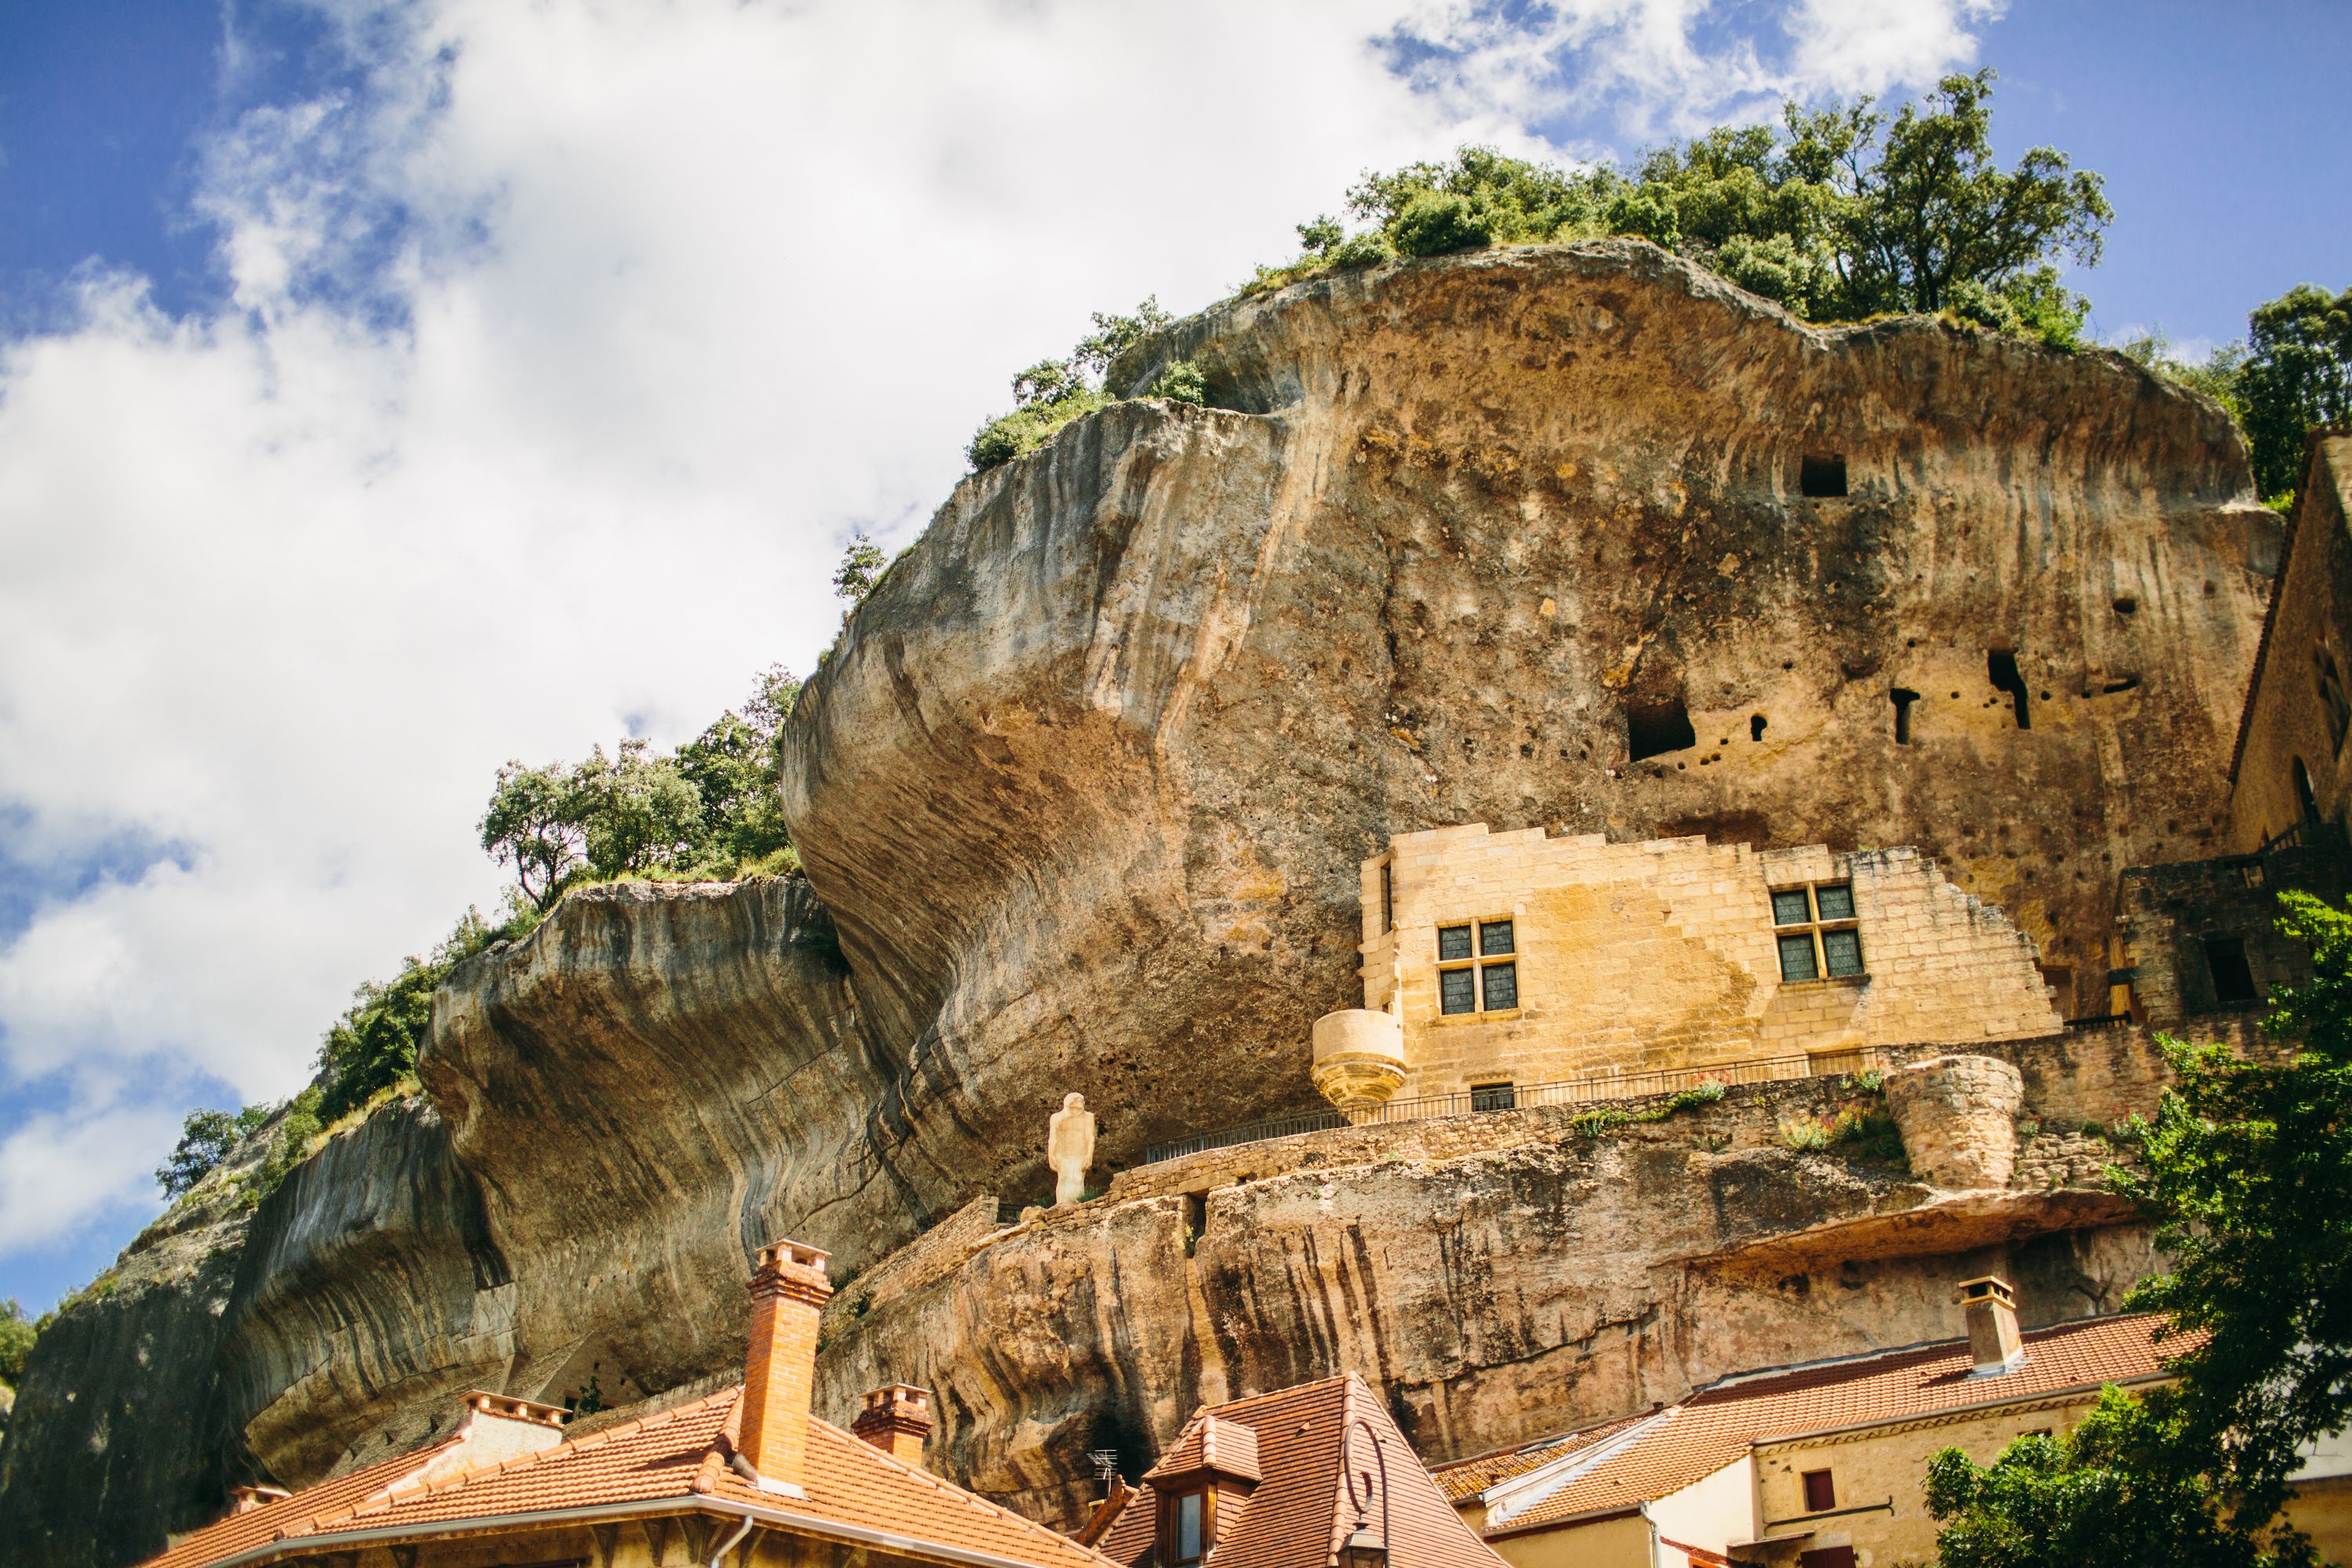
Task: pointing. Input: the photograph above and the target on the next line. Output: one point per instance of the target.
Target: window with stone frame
(1817, 931)
(1478, 966)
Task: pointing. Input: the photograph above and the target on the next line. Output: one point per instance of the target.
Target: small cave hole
(2120, 683)
(1821, 476)
(2125, 604)
(2001, 666)
(1653, 729)
(1903, 698)
(1756, 726)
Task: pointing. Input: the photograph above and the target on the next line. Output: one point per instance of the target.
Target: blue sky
(387, 390)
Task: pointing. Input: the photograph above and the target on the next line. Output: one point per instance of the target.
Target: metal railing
(2102, 1021)
(1529, 1096)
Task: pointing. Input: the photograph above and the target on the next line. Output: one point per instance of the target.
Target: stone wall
(2308, 633)
(1637, 957)
(2177, 925)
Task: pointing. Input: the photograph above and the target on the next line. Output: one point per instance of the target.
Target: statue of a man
(1070, 1148)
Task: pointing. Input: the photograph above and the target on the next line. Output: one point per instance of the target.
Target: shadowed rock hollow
(1086, 781)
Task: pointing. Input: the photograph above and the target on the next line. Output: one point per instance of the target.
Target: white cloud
(679, 295)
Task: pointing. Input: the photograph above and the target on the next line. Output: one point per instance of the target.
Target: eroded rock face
(1088, 780)
(1555, 1279)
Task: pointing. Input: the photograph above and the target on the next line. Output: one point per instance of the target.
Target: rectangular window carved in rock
(1817, 931)
(1821, 476)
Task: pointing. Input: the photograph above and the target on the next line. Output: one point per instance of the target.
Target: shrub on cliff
(18, 1333)
(1052, 392)
(207, 1137)
(1839, 214)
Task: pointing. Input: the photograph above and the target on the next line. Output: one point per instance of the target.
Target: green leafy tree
(374, 1046)
(862, 562)
(733, 767)
(1839, 213)
(2107, 1495)
(207, 1139)
(18, 1333)
(2247, 1174)
(2297, 373)
(637, 811)
(534, 824)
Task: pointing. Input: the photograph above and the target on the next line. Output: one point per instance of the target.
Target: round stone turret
(1957, 1116)
(1358, 1060)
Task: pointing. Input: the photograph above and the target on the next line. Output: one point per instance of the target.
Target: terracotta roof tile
(680, 1453)
(1715, 1425)
(1462, 1479)
(1299, 1514)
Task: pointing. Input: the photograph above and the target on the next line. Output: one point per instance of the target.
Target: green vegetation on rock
(708, 812)
(2292, 375)
(2247, 1174)
(1052, 392)
(1839, 214)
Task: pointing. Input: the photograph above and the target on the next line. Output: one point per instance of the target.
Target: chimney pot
(1990, 1308)
(789, 1290)
(896, 1419)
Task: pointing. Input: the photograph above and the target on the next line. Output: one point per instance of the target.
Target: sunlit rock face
(1083, 793)
(1088, 780)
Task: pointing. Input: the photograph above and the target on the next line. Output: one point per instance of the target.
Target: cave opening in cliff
(2000, 667)
(1653, 729)
(1903, 697)
(1756, 726)
(1821, 476)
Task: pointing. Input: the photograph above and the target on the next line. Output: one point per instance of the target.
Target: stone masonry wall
(1635, 957)
(1958, 1119)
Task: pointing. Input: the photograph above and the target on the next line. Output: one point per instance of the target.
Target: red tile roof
(1714, 1426)
(678, 1455)
(1299, 1514)
(1462, 1479)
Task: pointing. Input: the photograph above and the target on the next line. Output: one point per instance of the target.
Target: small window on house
(1826, 941)
(1821, 1492)
(1188, 1528)
(1653, 729)
(2233, 977)
(1821, 476)
(1485, 981)
(1494, 1096)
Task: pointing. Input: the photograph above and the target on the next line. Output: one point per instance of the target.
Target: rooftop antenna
(1106, 1464)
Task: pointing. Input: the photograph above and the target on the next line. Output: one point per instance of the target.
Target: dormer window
(1190, 1522)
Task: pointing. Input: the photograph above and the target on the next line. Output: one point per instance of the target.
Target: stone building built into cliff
(1494, 962)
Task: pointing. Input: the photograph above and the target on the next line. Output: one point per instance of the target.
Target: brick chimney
(1991, 1312)
(897, 1418)
(789, 1291)
(244, 1499)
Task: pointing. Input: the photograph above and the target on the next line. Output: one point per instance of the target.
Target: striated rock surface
(1084, 788)
(1552, 1277)
(1088, 778)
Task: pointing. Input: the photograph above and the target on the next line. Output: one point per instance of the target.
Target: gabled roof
(1298, 1513)
(679, 1456)
(1463, 1479)
(1716, 1425)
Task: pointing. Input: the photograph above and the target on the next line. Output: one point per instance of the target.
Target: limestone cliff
(1082, 794)
(1088, 778)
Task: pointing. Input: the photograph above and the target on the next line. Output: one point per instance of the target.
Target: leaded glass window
(1826, 941)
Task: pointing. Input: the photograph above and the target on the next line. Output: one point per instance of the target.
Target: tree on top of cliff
(1052, 392)
(2248, 1176)
(709, 812)
(1839, 213)
(2297, 373)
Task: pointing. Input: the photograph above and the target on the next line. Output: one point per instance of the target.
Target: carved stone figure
(1070, 1148)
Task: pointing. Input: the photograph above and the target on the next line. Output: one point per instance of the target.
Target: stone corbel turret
(1358, 1060)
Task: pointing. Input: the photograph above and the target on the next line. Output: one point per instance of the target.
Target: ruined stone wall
(1638, 957)
(2295, 712)
(2191, 930)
